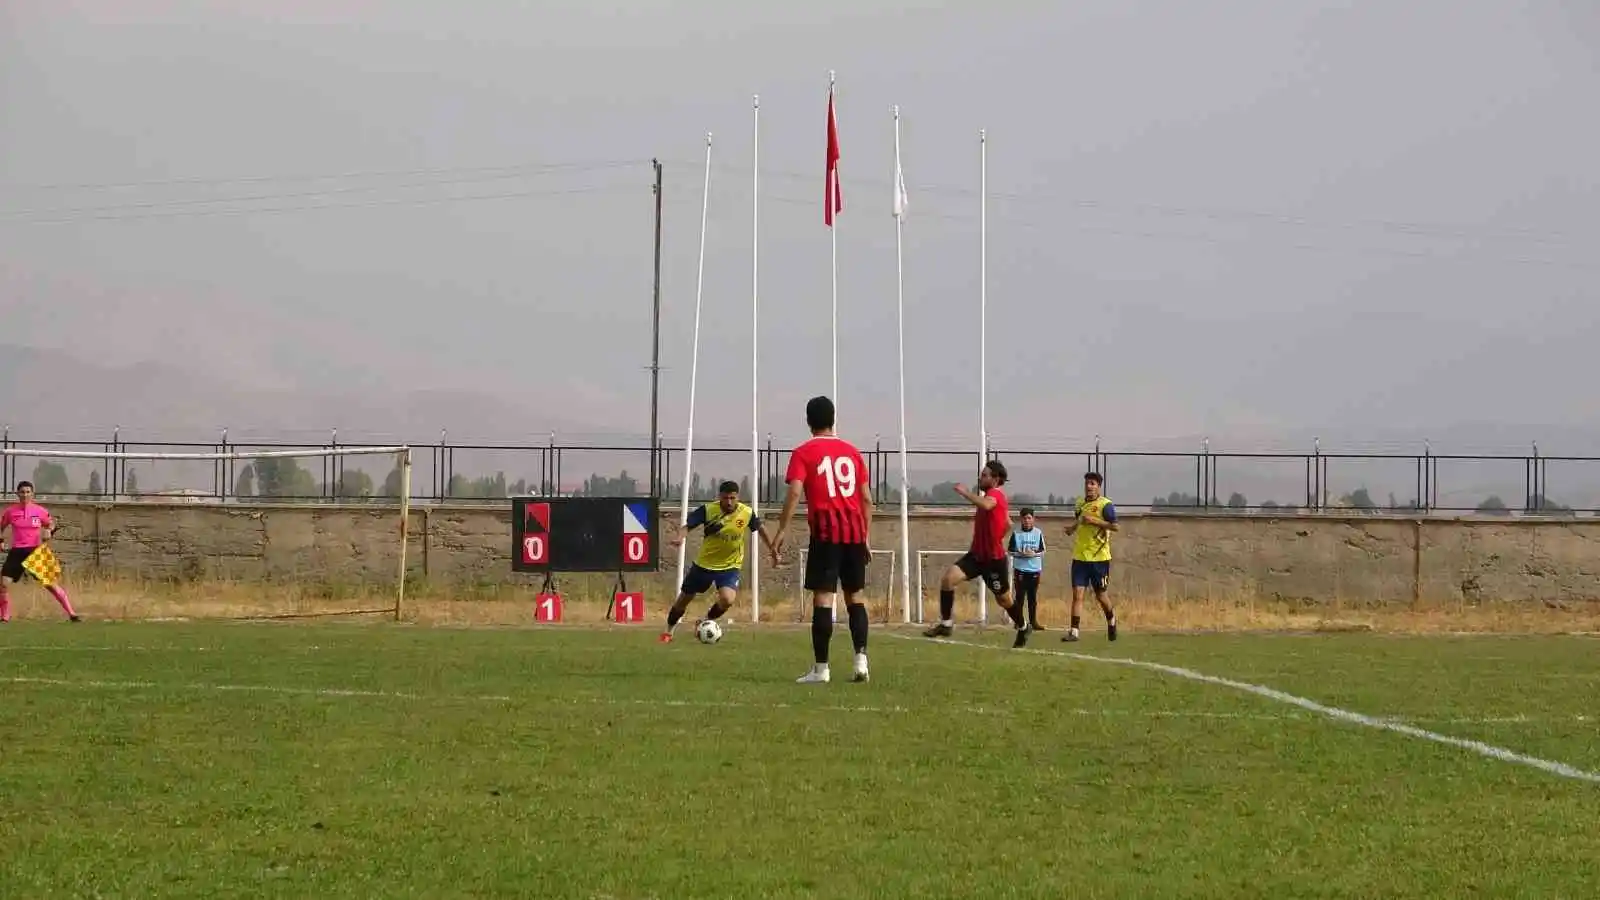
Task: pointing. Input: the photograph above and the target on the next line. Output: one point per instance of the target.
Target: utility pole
(655, 353)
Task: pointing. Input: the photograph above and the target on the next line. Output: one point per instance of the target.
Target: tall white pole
(694, 369)
(900, 294)
(755, 356)
(833, 238)
(983, 330)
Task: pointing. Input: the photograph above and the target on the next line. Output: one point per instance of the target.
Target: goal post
(177, 487)
(925, 556)
(804, 595)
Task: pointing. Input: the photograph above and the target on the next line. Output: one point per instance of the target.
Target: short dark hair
(24, 484)
(728, 487)
(1027, 510)
(1094, 477)
(997, 469)
(819, 413)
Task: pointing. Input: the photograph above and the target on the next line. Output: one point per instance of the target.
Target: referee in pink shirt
(31, 527)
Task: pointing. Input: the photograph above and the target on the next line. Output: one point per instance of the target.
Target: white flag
(899, 186)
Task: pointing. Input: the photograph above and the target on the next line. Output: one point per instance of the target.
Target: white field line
(92, 684)
(534, 699)
(1333, 712)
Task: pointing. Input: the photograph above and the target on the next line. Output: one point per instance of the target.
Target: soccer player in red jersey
(991, 522)
(830, 472)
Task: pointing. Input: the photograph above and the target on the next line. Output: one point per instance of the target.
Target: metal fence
(1204, 481)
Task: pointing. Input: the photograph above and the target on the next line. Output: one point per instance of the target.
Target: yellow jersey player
(1093, 521)
(726, 522)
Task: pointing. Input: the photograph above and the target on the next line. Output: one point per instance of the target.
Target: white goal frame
(983, 591)
(402, 454)
(800, 580)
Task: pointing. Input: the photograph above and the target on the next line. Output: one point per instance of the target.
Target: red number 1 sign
(630, 606)
(635, 549)
(547, 608)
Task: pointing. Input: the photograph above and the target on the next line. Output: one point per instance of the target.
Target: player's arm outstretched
(791, 502)
(981, 501)
(760, 527)
(867, 510)
(697, 518)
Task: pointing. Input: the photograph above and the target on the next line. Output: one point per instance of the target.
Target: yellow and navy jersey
(1090, 543)
(725, 535)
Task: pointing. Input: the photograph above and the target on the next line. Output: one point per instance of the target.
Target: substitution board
(584, 534)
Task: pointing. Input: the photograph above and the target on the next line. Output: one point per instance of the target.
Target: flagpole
(900, 295)
(833, 239)
(694, 371)
(983, 330)
(755, 356)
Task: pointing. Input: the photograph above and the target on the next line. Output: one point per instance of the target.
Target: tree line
(286, 478)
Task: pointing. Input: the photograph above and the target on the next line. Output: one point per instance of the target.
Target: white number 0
(841, 475)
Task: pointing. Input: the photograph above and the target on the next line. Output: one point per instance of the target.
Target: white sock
(861, 661)
(948, 623)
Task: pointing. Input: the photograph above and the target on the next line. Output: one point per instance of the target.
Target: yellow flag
(43, 565)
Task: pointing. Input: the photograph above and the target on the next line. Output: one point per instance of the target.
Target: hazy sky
(1236, 218)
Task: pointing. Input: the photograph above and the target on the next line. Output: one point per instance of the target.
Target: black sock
(1015, 612)
(858, 626)
(674, 616)
(947, 606)
(716, 611)
(821, 632)
(1074, 621)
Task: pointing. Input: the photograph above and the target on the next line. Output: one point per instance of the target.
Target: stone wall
(1311, 558)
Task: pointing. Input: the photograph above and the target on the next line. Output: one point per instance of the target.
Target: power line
(1062, 224)
(247, 198)
(332, 206)
(256, 179)
(1425, 229)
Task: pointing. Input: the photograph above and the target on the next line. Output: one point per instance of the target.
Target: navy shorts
(1094, 575)
(698, 580)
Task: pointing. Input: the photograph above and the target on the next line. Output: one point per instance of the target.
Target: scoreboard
(585, 534)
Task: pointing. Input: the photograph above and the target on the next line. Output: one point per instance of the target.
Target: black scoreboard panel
(585, 534)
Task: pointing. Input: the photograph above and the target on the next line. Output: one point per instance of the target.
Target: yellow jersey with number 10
(1090, 543)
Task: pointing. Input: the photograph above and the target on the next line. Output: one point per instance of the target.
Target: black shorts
(12, 567)
(993, 572)
(833, 567)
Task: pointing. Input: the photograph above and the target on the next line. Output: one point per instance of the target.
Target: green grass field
(367, 760)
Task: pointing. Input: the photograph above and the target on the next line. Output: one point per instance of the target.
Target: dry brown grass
(502, 605)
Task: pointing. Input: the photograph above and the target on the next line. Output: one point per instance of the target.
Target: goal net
(880, 577)
(270, 533)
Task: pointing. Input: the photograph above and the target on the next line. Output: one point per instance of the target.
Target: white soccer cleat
(861, 668)
(817, 675)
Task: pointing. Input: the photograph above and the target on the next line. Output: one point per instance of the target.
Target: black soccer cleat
(1022, 638)
(939, 629)
(1111, 630)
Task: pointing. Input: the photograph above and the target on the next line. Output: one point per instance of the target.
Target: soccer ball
(709, 632)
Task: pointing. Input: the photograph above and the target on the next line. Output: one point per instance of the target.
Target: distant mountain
(51, 395)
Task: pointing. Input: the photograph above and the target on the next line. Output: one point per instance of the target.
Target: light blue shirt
(1027, 540)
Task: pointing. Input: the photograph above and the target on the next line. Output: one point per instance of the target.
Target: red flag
(833, 197)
